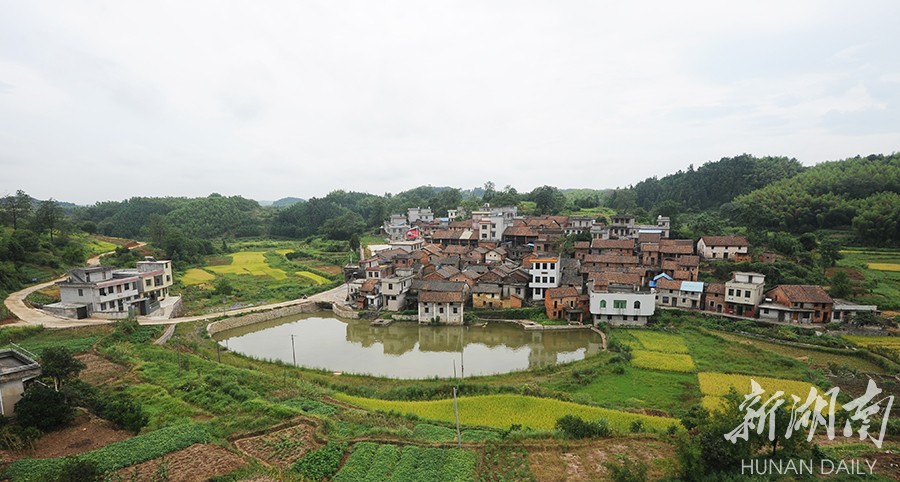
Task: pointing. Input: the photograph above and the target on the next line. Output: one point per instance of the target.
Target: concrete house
(442, 306)
(845, 310)
(545, 273)
(98, 291)
(679, 294)
(723, 247)
(16, 370)
(562, 304)
(622, 305)
(744, 293)
(714, 297)
(798, 304)
(395, 288)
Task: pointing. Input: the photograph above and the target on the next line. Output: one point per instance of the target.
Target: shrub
(575, 427)
(43, 408)
(637, 426)
(628, 471)
(79, 470)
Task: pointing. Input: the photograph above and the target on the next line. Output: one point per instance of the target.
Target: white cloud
(286, 98)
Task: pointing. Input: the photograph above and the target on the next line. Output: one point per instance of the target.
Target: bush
(637, 426)
(122, 410)
(43, 408)
(575, 427)
(79, 470)
(628, 471)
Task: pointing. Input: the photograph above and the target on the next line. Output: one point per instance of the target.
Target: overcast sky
(108, 100)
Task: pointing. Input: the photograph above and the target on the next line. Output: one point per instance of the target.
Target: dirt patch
(195, 463)
(283, 447)
(586, 462)
(86, 433)
(99, 370)
(852, 273)
(329, 269)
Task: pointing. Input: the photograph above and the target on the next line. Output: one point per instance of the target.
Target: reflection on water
(405, 349)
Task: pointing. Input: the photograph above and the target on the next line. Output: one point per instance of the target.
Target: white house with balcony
(620, 305)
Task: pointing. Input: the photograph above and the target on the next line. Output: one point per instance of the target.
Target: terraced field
(501, 411)
(888, 342)
(249, 262)
(196, 276)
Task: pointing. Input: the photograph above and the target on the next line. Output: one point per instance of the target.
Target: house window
(620, 304)
(730, 291)
(102, 292)
(426, 309)
(637, 305)
(441, 310)
(609, 317)
(635, 318)
(168, 278)
(602, 303)
(81, 292)
(766, 311)
(147, 282)
(665, 299)
(553, 279)
(390, 286)
(102, 306)
(746, 294)
(455, 310)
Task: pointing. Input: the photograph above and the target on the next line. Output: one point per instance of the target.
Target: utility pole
(293, 351)
(456, 409)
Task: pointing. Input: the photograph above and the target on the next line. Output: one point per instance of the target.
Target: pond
(406, 349)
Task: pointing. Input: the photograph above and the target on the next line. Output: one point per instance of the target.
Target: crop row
(654, 360)
(373, 462)
(502, 411)
(116, 456)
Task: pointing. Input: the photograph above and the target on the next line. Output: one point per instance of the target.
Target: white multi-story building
(416, 214)
(545, 273)
(722, 247)
(394, 289)
(744, 293)
(622, 306)
(114, 293)
(396, 227)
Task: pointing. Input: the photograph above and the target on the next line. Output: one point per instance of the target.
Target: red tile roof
(612, 243)
(725, 241)
(805, 293)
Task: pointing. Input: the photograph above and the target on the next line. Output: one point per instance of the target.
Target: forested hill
(708, 187)
(862, 192)
(210, 217)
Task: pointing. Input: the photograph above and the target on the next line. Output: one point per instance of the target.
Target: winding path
(27, 315)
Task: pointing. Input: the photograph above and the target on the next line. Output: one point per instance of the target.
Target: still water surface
(406, 349)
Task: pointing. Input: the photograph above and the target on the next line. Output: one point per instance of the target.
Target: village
(432, 268)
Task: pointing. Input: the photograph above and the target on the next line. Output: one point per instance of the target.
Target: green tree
(829, 252)
(16, 208)
(43, 408)
(59, 364)
(841, 286)
(49, 217)
(548, 200)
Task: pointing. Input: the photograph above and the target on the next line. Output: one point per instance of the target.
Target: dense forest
(862, 193)
(708, 187)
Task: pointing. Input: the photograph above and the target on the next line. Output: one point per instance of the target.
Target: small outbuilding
(16, 369)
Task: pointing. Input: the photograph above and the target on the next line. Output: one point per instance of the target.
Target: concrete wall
(238, 321)
(11, 392)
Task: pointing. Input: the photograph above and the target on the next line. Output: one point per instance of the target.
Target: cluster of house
(495, 258)
(106, 292)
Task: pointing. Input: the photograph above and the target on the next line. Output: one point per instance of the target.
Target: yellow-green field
(715, 385)
(885, 266)
(661, 342)
(195, 276)
(889, 342)
(501, 411)
(96, 246)
(316, 278)
(655, 360)
(249, 262)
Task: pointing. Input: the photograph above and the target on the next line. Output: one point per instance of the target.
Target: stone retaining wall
(227, 324)
(344, 311)
(405, 317)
